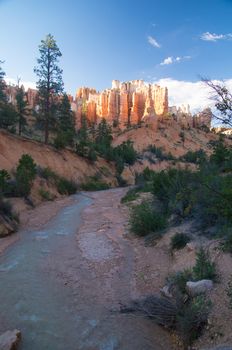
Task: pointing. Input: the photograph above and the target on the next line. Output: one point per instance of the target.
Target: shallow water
(48, 291)
(30, 300)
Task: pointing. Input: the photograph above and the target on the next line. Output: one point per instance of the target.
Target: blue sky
(102, 40)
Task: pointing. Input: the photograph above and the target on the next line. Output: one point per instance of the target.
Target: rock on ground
(199, 287)
(10, 340)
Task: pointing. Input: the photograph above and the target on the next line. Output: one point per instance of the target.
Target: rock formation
(124, 104)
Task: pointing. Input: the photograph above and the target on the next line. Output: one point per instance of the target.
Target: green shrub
(144, 220)
(7, 210)
(159, 153)
(46, 173)
(226, 244)
(148, 174)
(63, 186)
(182, 136)
(25, 175)
(179, 241)
(4, 177)
(179, 279)
(121, 182)
(204, 267)
(192, 318)
(45, 195)
(66, 187)
(125, 152)
(94, 183)
(175, 189)
(130, 196)
(196, 157)
(229, 292)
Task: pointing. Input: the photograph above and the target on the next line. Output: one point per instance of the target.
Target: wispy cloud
(153, 42)
(207, 36)
(196, 94)
(26, 84)
(171, 60)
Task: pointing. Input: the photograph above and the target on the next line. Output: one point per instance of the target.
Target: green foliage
(45, 195)
(179, 241)
(179, 279)
(197, 157)
(49, 82)
(92, 154)
(22, 109)
(222, 156)
(131, 195)
(191, 319)
(204, 195)
(226, 244)
(2, 87)
(65, 187)
(174, 189)
(46, 173)
(6, 208)
(8, 117)
(204, 267)
(126, 152)
(159, 153)
(229, 292)
(25, 174)
(148, 174)
(182, 136)
(84, 146)
(65, 124)
(4, 177)
(104, 136)
(94, 183)
(145, 220)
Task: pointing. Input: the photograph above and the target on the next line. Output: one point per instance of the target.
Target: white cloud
(170, 60)
(196, 94)
(167, 61)
(207, 36)
(26, 84)
(153, 42)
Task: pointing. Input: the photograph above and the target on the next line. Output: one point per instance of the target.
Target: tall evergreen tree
(22, 110)
(50, 82)
(104, 133)
(2, 86)
(8, 115)
(65, 124)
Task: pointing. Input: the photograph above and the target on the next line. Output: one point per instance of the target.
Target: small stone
(165, 291)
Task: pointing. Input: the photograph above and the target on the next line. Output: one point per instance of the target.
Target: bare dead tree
(223, 101)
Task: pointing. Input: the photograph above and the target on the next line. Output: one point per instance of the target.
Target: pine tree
(22, 110)
(83, 138)
(104, 134)
(50, 83)
(8, 115)
(2, 86)
(66, 124)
